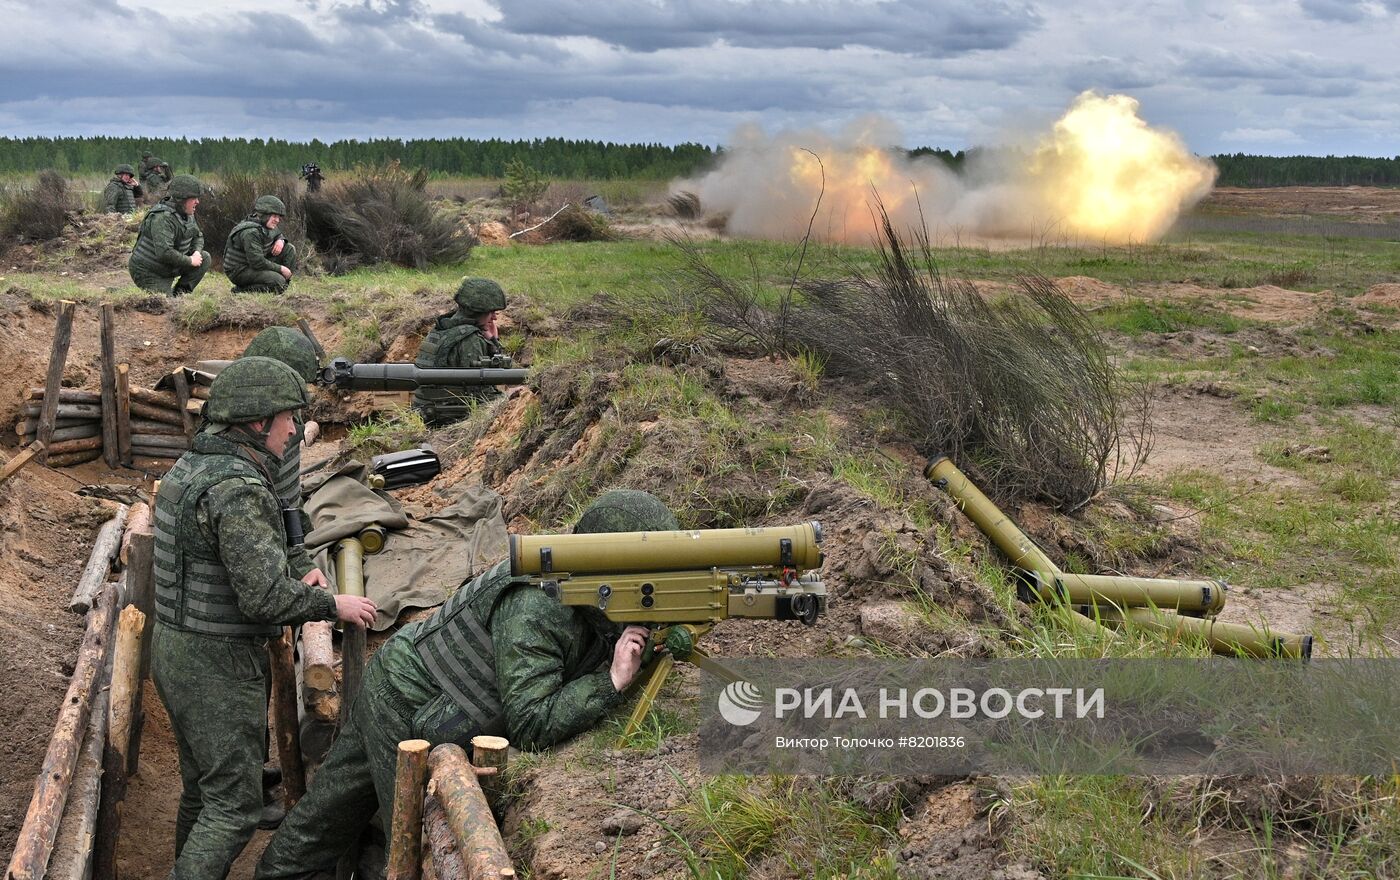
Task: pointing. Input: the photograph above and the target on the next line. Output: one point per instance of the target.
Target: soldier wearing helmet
(122, 191)
(222, 591)
(499, 658)
(155, 173)
(170, 246)
(257, 257)
(464, 338)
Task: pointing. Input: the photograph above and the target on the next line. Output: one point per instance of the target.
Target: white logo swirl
(740, 703)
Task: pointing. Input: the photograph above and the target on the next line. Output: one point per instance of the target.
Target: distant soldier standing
(222, 591)
(311, 173)
(463, 339)
(122, 191)
(169, 246)
(257, 257)
(155, 174)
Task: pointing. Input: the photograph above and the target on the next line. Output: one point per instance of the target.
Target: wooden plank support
(78, 431)
(35, 842)
(305, 326)
(284, 713)
(182, 399)
(77, 831)
(89, 412)
(68, 395)
(319, 691)
(147, 426)
(108, 365)
(491, 752)
(139, 520)
(31, 425)
(141, 588)
(469, 815)
(69, 459)
(126, 689)
(406, 823)
(442, 843)
(124, 413)
(142, 410)
(104, 550)
(22, 458)
(53, 380)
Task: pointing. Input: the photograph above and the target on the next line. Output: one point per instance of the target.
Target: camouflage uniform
(456, 342)
(166, 241)
(222, 592)
(500, 657)
(120, 197)
(248, 258)
(155, 174)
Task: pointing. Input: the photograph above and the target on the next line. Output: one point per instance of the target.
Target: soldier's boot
(190, 278)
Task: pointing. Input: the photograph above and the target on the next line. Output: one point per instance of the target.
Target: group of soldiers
(498, 658)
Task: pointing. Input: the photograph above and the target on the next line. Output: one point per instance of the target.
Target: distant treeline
(560, 158)
(464, 157)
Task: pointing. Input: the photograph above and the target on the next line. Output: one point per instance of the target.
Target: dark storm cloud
(911, 27)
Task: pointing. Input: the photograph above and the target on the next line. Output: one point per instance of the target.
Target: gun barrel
(795, 547)
(1207, 596)
(1230, 639)
(407, 377)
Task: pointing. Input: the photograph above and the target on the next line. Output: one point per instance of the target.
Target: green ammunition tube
(1229, 639)
(1204, 596)
(796, 547)
(350, 567)
(995, 524)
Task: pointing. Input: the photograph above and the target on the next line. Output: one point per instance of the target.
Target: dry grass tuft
(40, 212)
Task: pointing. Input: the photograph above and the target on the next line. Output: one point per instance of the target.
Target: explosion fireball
(1100, 174)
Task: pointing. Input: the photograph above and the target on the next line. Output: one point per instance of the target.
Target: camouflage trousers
(184, 282)
(267, 281)
(356, 780)
(215, 692)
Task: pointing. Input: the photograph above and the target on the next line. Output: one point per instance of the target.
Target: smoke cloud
(1099, 174)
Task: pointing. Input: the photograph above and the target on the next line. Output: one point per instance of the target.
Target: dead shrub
(684, 204)
(576, 223)
(1019, 392)
(382, 215)
(39, 212)
(232, 201)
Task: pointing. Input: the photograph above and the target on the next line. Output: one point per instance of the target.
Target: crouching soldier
(222, 591)
(170, 246)
(499, 658)
(257, 258)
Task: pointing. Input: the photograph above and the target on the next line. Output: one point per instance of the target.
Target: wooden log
(36, 838)
(200, 392)
(155, 398)
(352, 667)
(156, 413)
(31, 425)
(86, 411)
(126, 688)
(68, 395)
(139, 521)
(22, 458)
(194, 407)
(107, 364)
(82, 444)
(491, 752)
(442, 843)
(80, 431)
(406, 821)
(182, 398)
(53, 381)
(77, 832)
(152, 465)
(165, 429)
(104, 550)
(305, 326)
(141, 590)
(312, 432)
(161, 452)
(162, 441)
(75, 458)
(124, 412)
(468, 814)
(321, 697)
(284, 713)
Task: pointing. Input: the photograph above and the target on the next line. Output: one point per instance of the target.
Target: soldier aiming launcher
(680, 584)
(341, 373)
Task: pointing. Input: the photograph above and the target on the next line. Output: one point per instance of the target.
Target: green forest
(558, 158)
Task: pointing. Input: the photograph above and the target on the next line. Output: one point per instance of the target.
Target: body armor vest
(146, 256)
(235, 259)
(455, 645)
(193, 591)
(438, 402)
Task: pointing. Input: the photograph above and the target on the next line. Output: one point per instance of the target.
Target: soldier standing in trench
(222, 591)
(465, 338)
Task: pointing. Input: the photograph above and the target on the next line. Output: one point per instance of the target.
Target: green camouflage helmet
(477, 296)
(185, 186)
(626, 510)
(270, 205)
(289, 346)
(252, 389)
(125, 169)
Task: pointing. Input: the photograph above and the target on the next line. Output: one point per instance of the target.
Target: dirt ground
(48, 531)
(1372, 204)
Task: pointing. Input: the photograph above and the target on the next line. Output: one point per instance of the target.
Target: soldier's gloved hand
(354, 609)
(627, 656)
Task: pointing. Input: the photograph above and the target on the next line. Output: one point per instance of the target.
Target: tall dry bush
(232, 201)
(382, 215)
(39, 212)
(1020, 392)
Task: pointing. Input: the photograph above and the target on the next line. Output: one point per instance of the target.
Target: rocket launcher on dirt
(680, 584)
(1163, 604)
(406, 377)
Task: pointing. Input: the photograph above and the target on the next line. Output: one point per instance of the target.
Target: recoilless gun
(680, 584)
(341, 373)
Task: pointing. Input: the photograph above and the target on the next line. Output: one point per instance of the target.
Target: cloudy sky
(1286, 77)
